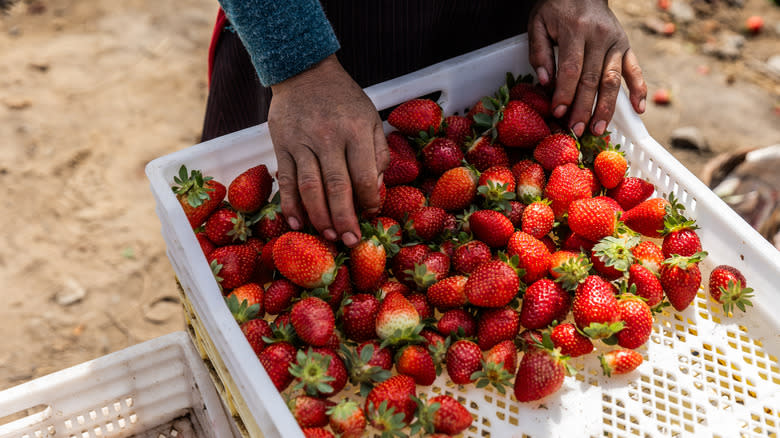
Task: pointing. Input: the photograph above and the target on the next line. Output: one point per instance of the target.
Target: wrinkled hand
(328, 140)
(594, 55)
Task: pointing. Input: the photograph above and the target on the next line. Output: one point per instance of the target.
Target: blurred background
(91, 91)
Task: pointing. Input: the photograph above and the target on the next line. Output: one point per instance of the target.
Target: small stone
(689, 137)
(42, 67)
(17, 103)
(773, 63)
(727, 46)
(681, 12)
(71, 293)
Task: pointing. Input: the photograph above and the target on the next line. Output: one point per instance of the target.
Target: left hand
(594, 56)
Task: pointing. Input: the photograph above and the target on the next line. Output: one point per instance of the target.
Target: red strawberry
(458, 128)
(440, 154)
(232, 265)
(358, 317)
(469, 255)
(728, 286)
(254, 331)
(533, 255)
(497, 186)
(425, 223)
(569, 268)
(611, 202)
(544, 301)
(484, 153)
(630, 191)
(309, 411)
(555, 150)
(433, 267)
(448, 293)
(497, 325)
(205, 244)
(347, 419)
(304, 259)
(534, 95)
(515, 213)
(397, 320)
(367, 364)
(276, 359)
(406, 259)
(493, 284)
(400, 200)
(638, 320)
(574, 242)
(521, 126)
(367, 262)
(455, 189)
(335, 292)
(416, 362)
(416, 115)
(498, 367)
(610, 167)
(403, 167)
(246, 302)
(684, 242)
(570, 340)
(647, 284)
(316, 432)
(612, 256)
(529, 340)
(226, 226)
(681, 278)
(392, 285)
(541, 372)
(393, 394)
(443, 414)
(595, 308)
(270, 222)
(320, 372)
(620, 361)
(313, 321)
(648, 254)
(457, 323)
(479, 108)
(592, 218)
(279, 296)
(538, 219)
(531, 180)
(250, 190)
(421, 305)
(491, 227)
(647, 218)
(464, 358)
(198, 196)
(566, 184)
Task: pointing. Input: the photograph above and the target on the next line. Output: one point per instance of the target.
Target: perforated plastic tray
(156, 389)
(705, 374)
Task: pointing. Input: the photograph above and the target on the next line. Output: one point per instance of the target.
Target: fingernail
(330, 234)
(380, 180)
(541, 73)
(294, 224)
(349, 239)
(642, 104)
(559, 111)
(578, 128)
(599, 127)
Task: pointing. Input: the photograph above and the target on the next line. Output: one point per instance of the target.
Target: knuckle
(589, 80)
(570, 68)
(308, 182)
(611, 79)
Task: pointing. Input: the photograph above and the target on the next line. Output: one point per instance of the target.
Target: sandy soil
(92, 91)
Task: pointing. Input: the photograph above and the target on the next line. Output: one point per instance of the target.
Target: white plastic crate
(705, 374)
(157, 389)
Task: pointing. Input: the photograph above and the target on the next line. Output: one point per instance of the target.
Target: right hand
(329, 143)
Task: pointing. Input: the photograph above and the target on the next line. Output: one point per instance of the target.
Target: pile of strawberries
(504, 247)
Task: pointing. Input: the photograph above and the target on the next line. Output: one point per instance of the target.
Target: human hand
(329, 141)
(594, 55)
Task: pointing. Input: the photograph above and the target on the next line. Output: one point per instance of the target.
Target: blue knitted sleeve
(283, 37)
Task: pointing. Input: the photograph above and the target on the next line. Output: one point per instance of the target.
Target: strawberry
(570, 340)
(498, 367)
(198, 196)
(416, 115)
(566, 184)
(534, 95)
(541, 371)
(276, 359)
(593, 182)
(458, 128)
(367, 262)
(270, 222)
(469, 255)
(448, 293)
(316, 432)
(358, 317)
(491, 227)
(367, 364)
(631, 191)
(611, 202)
(335, 292)
(421, 305)
(232, 265)
(497, 325)
(425, 223)
(392, 285)
(680, 278)
(530, 179)
(662, 97)
(647, 284)
(494, 283)
(455, 189)
(497, 186)
(610, 167)
(538, 219)
(595, 308)
(313, 321)
(405, 261)
(397, 320)
(728, 286)
(484, 153)
(612, 256)
(309, 411)
(648, 254)
(393, 396)
(684, 242)
(205, 244)
(304, 259)
(279, 296)
(464, 358)
(520, 126)
(320, 372)
(246, 302)
(544, 301)
(529, 340)
(647, 218)
(569, 268)
(254, 331)
(754, 24)
(515, 213)
(457, 323)
(620, 361)
(250, 190)
(479, 108)
(400, 200)
(592, 218)
(226, 226)
(440, 154)
(433, 267)
(533, 255)
(403, 167)
(347, 419)
(416, 362)
(442, 414)
(637, 319)
(574, 242)
(555, 150)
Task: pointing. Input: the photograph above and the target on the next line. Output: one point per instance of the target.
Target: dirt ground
(92, 91)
